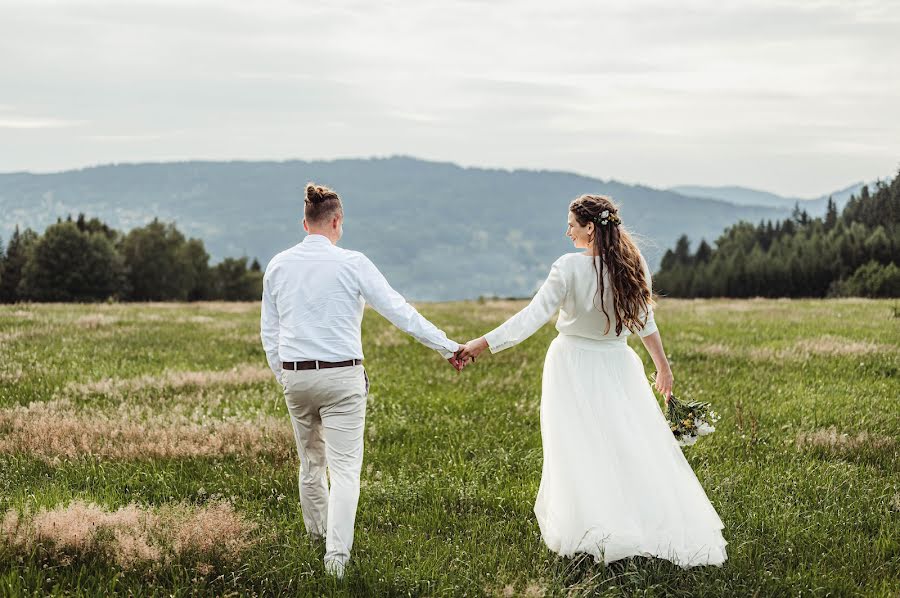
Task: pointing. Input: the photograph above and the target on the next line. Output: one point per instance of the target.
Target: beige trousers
(328, 413)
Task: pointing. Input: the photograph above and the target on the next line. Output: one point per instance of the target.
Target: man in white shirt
(312, 308)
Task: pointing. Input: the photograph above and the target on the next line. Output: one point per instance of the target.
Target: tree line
(854, 253)
(85, 260)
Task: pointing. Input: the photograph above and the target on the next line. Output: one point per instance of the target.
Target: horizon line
(670, 188)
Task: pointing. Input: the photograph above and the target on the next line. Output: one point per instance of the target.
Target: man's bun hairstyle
(321, 203)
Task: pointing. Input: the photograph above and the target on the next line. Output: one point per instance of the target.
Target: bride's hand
(664, 383)
(473, 349)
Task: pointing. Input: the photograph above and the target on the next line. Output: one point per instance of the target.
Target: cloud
(37, 123)
(126, 137)
(609, 89)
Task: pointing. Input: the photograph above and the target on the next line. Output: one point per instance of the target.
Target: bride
(614, 482)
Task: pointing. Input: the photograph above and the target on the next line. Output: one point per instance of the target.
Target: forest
(85, 260)
(851, 253)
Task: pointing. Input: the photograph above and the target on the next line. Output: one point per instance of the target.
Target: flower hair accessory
(606, 217)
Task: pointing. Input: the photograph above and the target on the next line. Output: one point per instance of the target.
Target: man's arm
(391, 304)
(269, 327)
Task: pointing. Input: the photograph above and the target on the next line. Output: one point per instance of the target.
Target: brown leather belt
(318, 365)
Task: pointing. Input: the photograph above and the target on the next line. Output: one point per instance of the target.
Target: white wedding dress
(614, 482)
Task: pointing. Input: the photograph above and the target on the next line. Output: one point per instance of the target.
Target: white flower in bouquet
(689, 420)
(687, 440)
(704, 428)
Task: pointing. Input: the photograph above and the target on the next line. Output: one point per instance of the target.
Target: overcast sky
(799, 97)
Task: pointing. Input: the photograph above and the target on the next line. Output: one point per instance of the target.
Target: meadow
(145, 449)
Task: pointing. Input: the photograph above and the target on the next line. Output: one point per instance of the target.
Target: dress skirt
(615, 483)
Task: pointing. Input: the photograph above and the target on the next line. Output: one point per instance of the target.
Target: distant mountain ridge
(437, 230)
(744, 196)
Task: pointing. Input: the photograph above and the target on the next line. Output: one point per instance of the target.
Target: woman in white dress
(614, 483)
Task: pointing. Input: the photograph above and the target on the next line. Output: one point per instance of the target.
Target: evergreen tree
(156, 263)
(704, 252)
(234, 282)
(84, 259)
(194, 255)
(67, 264)
(854, 252)
(683, 250)
(831, 215)
(94, 225)
(17, 251)
(872, 280)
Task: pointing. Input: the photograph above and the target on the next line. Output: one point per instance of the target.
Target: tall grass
(146, 451)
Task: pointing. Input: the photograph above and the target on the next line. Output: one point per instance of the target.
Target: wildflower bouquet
(689, 420)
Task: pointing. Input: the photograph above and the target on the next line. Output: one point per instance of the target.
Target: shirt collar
(314, 238)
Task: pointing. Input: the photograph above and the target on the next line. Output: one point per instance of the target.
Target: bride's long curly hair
(631, 293)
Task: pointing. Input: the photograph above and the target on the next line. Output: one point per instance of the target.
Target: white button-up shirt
(313, 299)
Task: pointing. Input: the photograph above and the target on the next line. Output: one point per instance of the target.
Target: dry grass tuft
(214, 529)
(714, 349)
(56, 429)
(200, 319)
(242, 374)
(253, 339)
(493, 312)
(6, 337)
(93, 321)
(832, 440)
(822, 346)
(11, 373)
(534, 590)
(835, 345)
(131, 536)
(895, 503)
(387, 336)
(230, 307)
(150, 317)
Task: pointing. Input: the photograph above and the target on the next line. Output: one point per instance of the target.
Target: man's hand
(456, 363)
(472, 349)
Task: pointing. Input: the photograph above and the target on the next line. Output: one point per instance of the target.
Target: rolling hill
(437, 230)
(744, 196)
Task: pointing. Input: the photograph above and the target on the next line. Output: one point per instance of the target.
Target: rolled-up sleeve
(389, 303)
(545, 303)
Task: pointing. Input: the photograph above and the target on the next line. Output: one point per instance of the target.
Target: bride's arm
(653, 343)
(664, 379)
(545, 303)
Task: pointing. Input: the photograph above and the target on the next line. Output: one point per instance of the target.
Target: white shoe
(335, 568)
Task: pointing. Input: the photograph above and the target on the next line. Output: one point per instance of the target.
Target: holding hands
(467, 353)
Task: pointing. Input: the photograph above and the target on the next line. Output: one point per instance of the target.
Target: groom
(312, 308)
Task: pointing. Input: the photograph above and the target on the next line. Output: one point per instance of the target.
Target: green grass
(452, 462)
